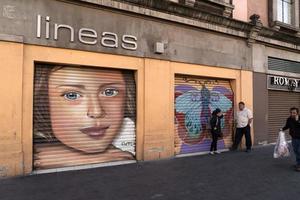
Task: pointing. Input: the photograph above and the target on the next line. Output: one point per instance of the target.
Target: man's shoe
(217, 152)
(211, 153)
(248, 151)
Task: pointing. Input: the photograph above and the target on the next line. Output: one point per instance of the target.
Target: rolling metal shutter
(82, 116)
(195, 100)
(283, 65)
(278, 111)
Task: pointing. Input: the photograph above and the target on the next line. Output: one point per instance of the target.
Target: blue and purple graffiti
(193, 108)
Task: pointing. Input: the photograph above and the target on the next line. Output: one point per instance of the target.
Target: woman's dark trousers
(214, 143)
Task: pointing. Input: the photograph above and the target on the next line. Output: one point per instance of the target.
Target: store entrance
(280, 103)
(82, 116)
(195, 100)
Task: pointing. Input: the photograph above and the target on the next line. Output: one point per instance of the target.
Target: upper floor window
(284, 14)
(284, 11)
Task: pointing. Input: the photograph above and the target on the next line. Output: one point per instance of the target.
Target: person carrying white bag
(293, 124)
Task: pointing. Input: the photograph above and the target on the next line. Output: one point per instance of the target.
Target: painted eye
(110, 92)
(72, 96)
(215, 97)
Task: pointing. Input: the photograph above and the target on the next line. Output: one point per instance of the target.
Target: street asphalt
(229, 176)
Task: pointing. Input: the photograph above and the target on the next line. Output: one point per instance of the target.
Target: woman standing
(216, 132)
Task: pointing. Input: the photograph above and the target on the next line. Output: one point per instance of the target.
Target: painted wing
(189, 104)
(218, 100)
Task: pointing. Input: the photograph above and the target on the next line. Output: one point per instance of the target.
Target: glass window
(284, 10)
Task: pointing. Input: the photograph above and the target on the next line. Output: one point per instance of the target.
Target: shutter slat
(278, 111)
(83, 115)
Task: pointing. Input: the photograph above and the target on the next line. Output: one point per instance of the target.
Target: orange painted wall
(159, 134)
(155, 98)
(11, 161)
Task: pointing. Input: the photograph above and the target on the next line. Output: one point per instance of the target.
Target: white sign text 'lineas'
(86, 36)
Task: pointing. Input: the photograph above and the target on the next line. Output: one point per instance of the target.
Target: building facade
(88, 83)
(275, 69)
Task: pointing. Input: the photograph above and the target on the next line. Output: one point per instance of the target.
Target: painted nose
(95, 109)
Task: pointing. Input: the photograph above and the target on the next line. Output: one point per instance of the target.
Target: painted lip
(95, 132)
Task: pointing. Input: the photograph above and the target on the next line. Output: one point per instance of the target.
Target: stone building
(87, 83)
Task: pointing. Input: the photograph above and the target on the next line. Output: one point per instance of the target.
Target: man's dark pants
(296, 147)
(239, 135)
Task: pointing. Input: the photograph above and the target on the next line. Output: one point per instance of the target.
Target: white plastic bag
(281, 147)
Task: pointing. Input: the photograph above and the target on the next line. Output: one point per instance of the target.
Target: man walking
(243, 127)
(293, 124)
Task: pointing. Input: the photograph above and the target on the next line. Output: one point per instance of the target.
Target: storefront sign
(86, 36)
(283, 83)
(91, 28)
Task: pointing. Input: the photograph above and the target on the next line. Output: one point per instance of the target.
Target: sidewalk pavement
(229, 176)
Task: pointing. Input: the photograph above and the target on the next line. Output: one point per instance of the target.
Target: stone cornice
(192, 16)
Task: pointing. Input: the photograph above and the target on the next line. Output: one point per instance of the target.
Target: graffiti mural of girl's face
(86, 107)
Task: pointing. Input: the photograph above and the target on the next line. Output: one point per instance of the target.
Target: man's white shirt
(243, 117)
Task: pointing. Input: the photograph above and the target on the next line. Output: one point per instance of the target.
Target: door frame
(34, 54)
